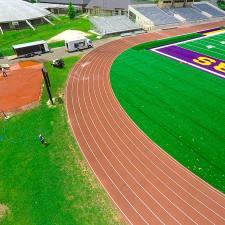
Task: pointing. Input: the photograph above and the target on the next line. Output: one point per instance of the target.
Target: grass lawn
(42, 32)
(180, 108)
(52, 185)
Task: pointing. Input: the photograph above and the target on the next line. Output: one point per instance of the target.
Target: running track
(145, 183)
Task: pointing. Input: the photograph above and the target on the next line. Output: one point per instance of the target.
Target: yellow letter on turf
(205, 61)
(220, 67)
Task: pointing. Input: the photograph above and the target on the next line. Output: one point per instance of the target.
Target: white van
(78, 44)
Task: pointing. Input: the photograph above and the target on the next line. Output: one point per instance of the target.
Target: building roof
(29, 44)
(18, 10)
(74, 2)
(51, 6)
(109, 4)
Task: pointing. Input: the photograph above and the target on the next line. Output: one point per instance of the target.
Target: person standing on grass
(4, 72)
(41, 138)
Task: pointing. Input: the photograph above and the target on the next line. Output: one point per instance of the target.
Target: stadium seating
(189, 14)
(114, 24)
(209, 9)
(157, 16)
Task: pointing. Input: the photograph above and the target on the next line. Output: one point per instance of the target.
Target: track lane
(110, 142)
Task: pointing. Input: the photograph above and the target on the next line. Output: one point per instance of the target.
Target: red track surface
(145, 183)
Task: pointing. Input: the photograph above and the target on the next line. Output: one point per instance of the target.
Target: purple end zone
(209, 30)
(208, 63)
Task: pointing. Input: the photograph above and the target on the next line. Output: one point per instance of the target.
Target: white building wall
(144, 22)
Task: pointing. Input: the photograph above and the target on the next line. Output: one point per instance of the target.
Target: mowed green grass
(52, 185)
(180, 108)
(217, 49)
(42, 32)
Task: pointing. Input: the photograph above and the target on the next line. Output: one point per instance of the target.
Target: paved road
(59, 53)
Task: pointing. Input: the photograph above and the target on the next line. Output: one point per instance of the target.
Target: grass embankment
(166, 41)
(52, 185)
(180, 108)
(42, 32)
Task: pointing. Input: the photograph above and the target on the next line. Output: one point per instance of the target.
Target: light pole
(47, 84)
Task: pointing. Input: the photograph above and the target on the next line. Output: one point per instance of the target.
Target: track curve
(146, 184)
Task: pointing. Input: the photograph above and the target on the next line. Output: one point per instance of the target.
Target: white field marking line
(174, 161)
(208, 50)
(85, 64)
(207, 38)
(215, 43)
(155, 166)
(218, 38)
(147, 158)
(139, 161)
(212, 40)
(109, 148)
(193, 65)
(179, 42)
(186, 41)
(218, 41)
(120, 162)
(72, 72)
(99, 163)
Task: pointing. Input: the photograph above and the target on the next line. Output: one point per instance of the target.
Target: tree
(221, 4)
(71, 11)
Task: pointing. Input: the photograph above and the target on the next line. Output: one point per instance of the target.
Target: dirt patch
(3, 210)
(24, 64)
(22, 88)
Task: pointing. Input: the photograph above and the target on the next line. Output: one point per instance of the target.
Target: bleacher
(113, 24)
(158, 18)
(157, 15)
(209, 9)
(189, 14)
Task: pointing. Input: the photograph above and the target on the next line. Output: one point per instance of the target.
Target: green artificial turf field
(215, 43)
(179, 107)
(52, 185)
